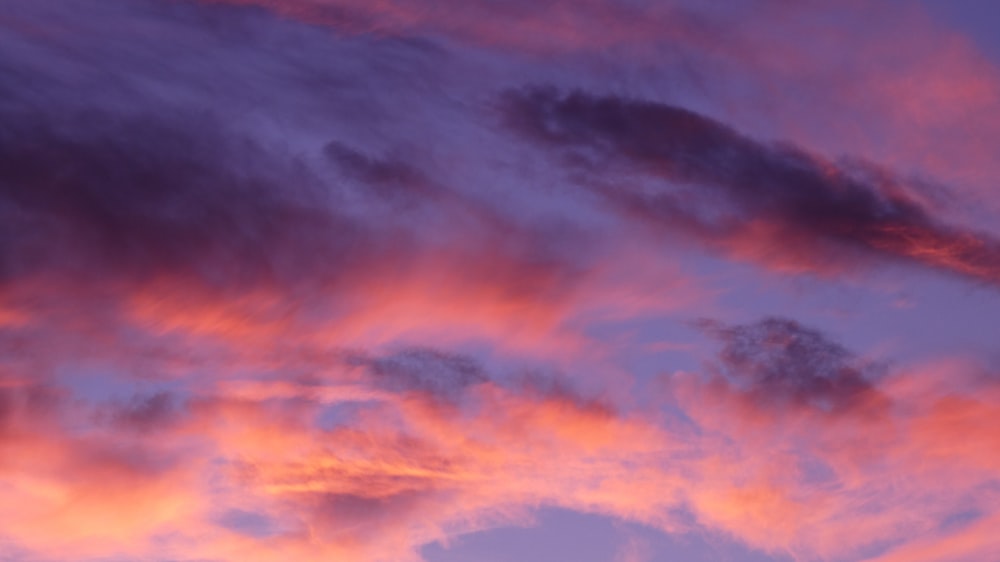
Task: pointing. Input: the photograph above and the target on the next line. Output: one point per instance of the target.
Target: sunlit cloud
(340, 280)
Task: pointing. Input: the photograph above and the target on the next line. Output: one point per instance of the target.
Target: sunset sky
(499, 280)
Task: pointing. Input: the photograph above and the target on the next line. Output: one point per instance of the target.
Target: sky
(499, 280)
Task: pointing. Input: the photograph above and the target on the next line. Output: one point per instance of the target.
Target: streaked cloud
(771, 203)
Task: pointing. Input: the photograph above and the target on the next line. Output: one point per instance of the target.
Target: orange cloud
(368, 462)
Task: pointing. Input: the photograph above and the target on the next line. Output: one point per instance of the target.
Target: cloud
(768, 203)
(272, 290)
(171, 219)
(786, 474)
(542, 28)
(437, 374)
(145, 198)
(779, 363)
(395, 473)
(786, 441)
(147, 414)
(793, 84)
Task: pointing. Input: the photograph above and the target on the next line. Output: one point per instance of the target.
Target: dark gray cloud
(148, 413)
(125, 157)
(435, 373)
(247, 523)
(770, 202)
(395, 182)
(778, 363)
(166, 196)
(557, 388)
(373, 171)
(200, 149)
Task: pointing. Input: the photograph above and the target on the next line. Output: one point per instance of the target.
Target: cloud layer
(338, 280)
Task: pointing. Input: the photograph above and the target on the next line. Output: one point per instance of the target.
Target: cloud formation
(782, 364)
(368, 458)
(276, 283)
(771, 203)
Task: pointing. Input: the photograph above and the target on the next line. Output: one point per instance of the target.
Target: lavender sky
(499, 280)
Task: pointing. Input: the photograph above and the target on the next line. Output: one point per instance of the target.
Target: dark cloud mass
(778, 363)
(433, 372)
(147, 413)
(148, 197)
(769, 202)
